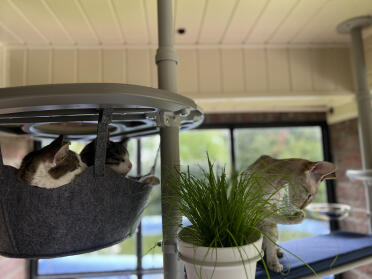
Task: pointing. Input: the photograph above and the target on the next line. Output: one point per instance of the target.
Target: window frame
(139, 271)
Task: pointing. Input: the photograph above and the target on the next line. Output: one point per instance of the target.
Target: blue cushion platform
(320, 252)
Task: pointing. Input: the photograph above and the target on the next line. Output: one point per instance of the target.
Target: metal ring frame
(136, 110)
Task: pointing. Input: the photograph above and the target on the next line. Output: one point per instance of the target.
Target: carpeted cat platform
(326, 254)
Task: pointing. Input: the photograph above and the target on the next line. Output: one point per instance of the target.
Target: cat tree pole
(354, 26)
(166, 61)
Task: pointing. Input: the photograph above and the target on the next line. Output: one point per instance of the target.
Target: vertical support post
(139, 243)
(363, 97)
(354, 26)
(166, 61)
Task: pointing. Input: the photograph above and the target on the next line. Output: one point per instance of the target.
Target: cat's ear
(61, 153)
(124, 142)
(323, 170)
(58, 141)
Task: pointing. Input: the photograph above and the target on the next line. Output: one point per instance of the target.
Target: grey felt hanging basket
(98, 209)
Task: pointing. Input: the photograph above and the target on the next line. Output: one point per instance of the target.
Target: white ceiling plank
(304, 12)
(243, 21)
(88, 21)
(30, 22)
(102, 19)
(188, 15)
(275, 13)
(13, 19)
(114, 23)
(322, 28)
(217, 17)
(73, 21)
(151, 17)
(132, 20)
(38, 13)
(8, 36)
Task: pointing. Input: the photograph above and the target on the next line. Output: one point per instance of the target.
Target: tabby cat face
(303, 177)
(117, 157)
(49, 163)
(308, 176)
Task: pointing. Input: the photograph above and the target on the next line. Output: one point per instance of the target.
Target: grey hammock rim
(88, 214)
(97, 209)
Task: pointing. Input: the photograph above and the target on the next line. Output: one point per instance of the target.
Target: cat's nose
(130, 165)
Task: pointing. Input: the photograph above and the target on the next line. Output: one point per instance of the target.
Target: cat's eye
(122, 160)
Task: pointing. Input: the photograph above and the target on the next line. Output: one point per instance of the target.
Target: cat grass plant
(224, 212)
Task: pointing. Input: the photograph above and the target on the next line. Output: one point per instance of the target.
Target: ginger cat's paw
(150, 180)
(275, 266)
(299, 216)
(295, 218)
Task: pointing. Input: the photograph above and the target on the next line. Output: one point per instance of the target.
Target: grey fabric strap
(102, 136)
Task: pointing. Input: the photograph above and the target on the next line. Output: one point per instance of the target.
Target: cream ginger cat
(303, 178)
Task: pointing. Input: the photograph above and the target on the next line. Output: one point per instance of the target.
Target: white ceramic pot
(220, 263)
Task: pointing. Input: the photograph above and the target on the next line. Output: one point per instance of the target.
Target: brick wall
(13, 149)
(346, 155)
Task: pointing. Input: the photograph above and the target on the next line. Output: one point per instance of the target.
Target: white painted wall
(203, 73)
(2, 66)
(219, 79)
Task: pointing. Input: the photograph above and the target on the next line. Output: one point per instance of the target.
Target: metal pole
(139, 246)
(363, 96)
(166, 61)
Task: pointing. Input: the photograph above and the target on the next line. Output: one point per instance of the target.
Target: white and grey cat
(117, 157)
(52, 166)
(293, 185)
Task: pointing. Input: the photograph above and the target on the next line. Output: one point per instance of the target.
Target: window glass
(284, 142)
(196, 144)
(151, 221)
